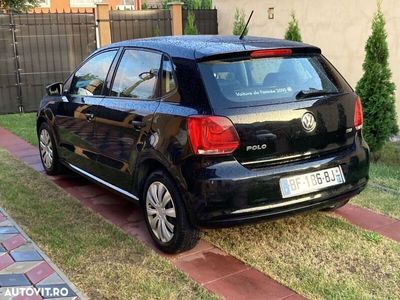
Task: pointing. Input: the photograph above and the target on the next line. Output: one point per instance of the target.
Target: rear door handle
(138, 124)
(89, 116)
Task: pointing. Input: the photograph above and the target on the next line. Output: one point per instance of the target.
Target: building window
(126, 5)
(44, 3)
(83, 3)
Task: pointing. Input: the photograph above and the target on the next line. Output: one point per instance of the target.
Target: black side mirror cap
(55, 89)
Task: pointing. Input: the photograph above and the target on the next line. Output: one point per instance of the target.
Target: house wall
(340, 28)
(60, 5)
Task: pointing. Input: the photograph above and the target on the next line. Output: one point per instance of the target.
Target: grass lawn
(101, 260)
(319, 256)
(22, 125)
(390, 154)
(383, 192)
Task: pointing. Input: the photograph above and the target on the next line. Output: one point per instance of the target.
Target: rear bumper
(276, 213)
(226, 193)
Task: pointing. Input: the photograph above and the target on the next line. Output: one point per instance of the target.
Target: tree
(18, 5)
(239, 23)
(197, 4)
(293, 31)
(376, 88)
(190, 26)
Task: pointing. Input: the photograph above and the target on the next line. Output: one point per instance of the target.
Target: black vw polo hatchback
(208, 131)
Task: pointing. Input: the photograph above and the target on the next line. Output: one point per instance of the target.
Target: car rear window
(244, 82)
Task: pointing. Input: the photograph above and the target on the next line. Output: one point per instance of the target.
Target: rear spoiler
(262, 52)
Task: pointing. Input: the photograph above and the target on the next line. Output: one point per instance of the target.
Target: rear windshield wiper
(313, 93)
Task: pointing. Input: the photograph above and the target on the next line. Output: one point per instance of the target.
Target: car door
(124, 117)
(76, 114)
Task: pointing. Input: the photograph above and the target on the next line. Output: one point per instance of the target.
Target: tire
(336, 206)
(167, 222)
(48, 150)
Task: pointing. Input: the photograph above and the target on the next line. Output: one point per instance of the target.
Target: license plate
(310, 182)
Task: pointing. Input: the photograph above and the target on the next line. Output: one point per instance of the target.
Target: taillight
(212, 135)
(358, 114)
(270, 53)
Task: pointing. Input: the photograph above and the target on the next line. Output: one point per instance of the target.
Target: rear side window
(137, 75)
(236, 83)
(168, 80)
(89, 79)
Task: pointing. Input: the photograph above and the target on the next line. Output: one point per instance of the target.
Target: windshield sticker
(258, 92)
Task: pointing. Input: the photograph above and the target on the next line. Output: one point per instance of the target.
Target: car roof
(201, 46)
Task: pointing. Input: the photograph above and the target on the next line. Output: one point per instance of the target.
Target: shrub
(376, 88)
(192, 4)
(157, 30)
(239, 23)
(190, 26)
(206, 4)
(197, 4)
(164, 4)
(145, 5)
(293, 31)
(18, 5)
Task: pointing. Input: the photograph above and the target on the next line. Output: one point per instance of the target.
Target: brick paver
(40, 272)
(5, 261)
(370, 220)
(24, 266)
(14, 242)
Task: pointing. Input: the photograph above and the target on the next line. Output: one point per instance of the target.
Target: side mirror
(55, 89)
(148, 75)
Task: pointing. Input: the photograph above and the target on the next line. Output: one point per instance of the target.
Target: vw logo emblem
(308, 121)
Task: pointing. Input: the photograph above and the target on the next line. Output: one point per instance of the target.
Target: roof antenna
(245, 27)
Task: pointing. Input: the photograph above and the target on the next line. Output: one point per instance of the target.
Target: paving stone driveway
(25, 271)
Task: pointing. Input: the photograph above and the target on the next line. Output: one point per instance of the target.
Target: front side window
(137, 75)
(90, 78)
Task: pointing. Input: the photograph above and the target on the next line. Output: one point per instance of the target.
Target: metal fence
(8, 76)
(206, 20)
(126, 25)
(37, 49)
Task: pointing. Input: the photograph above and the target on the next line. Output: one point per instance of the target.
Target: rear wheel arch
(150, 165)
(143, 171)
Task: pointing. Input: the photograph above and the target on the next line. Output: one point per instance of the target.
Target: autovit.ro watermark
(46, 292)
